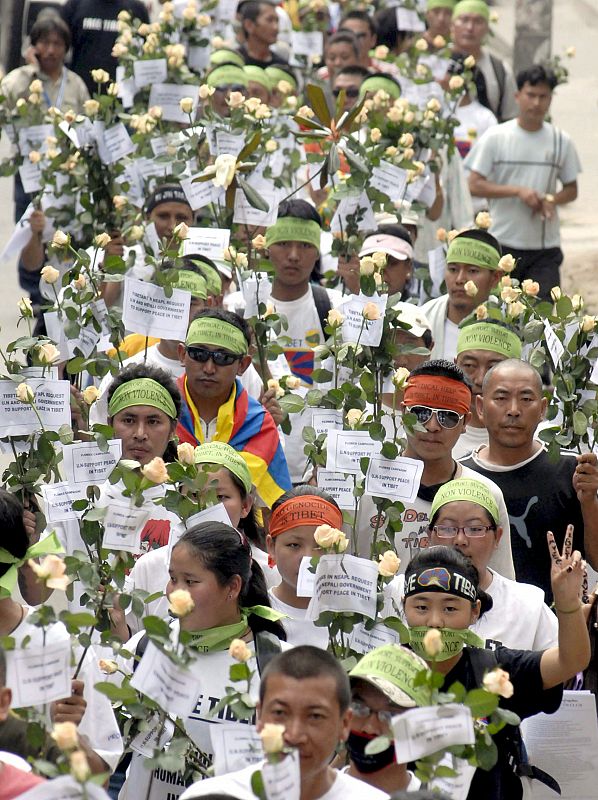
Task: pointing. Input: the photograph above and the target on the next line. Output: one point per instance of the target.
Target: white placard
(169, 95)
(174, 688)
(363, 641)
(65, 787)
(84, 463)
(31, 177)
(34, 137)
(126, 88)
(198, 194)
(338, 486)
(409, 20)
(326, 419)
(344, 583)
(306, 579)
(228, 143)
(210, 242)
(20, 238)
(246, 214)
(457, 787)
(389, 180)
(155, 738)
(255, 290)
(420, 732)
(282, 781)
(122, 527)
(554, 345)
(348, 206)
(395, 479)
(307, 43)
(345, 449)
(235, 746)
(437, 266)
(565, 744)
(59, 499)
(147, 310)
(39, 675)
(115, 144)
(215, 513)
(52, 400)
(355, 327)
(153, 70)
(198, 57)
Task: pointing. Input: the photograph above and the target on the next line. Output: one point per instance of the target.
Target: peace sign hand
(566, 574)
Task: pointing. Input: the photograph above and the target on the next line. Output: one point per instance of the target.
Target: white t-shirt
(474, 121)
(98, 722)
(299, 630)
(508, 154)
(470, 439)
(238, 785)
(451, 334)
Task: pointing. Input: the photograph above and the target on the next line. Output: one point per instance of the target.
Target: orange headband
(304, 510)
(438, 392)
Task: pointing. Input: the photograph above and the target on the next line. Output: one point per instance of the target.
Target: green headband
(472, 7)
(225, 456)
(8, 581)
(440, 4)
(142, 392)
(488, 336)
(227, 75)
(394, 665)
(221, 57)
(218, 333)
(192, 282)
(211, 276)
(258, 75)
(278, 75)
(465, 489)
(463, 250)
(293, 229)
(380, 83)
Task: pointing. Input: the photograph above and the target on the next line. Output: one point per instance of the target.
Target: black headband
(440, 579)
(169, 193)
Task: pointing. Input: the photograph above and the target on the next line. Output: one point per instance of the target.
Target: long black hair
(452, 559)
(14, 538)
(225, 552)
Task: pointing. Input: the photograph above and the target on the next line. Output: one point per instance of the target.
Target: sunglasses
(471, 531)
(221, 358)
(446, 418)
(231, 88)
(350, 92)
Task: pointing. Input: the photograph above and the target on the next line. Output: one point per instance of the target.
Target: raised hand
(566, 574)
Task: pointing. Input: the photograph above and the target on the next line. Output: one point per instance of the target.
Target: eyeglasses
(446, 418)
(471, 531)
(231, 88)
(363, 711)
(220, 357)
(350, 92)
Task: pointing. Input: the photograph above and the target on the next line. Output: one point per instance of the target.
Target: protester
(216, 407)
(340, 50)
(365, 30)
(443, 594)
(438, 20)
(472, 271)
(259, 22)
(225, 79)
(540, 494)
(300, 687)
(213, 563)
(518, 166)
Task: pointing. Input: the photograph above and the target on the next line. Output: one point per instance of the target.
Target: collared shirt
(74, 92)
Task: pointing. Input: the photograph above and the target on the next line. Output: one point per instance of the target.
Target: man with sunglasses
(437, 398)
(349, 80)
(216, 407)
(225, 79)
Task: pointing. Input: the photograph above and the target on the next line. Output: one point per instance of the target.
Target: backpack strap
(501, 79)
(322, 303)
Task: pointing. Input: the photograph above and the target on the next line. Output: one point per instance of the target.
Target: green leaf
(124, 694)
(253, 198)
(580, 423)
(481, 702)
(317, 100)
(292, 403)
(250, 146)
(378, 745)
(239, 672)
(257, 785)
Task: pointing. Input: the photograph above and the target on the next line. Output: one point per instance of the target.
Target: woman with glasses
(443, 593)
(435, 411)
(465, 517)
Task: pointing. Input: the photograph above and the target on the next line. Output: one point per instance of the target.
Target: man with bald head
(541, 495)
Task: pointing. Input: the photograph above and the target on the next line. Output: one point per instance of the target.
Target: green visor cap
(472, 7)
(224, 455)
(392, 669)
(293, 229)
(258, 75)
(276, 75)
(227, 75)
(468, 489)
(217, 333)
(379, 83)
(210, 275)
(440, 4)
(463, 250)
(488, 336)
(192, 282)
(220, 57)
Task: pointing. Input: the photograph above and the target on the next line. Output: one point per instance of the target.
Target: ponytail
(256, 594)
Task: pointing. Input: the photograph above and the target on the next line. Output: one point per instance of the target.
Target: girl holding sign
(214, 564)
(443, 594)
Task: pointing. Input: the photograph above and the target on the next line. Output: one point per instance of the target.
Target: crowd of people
(301, 487)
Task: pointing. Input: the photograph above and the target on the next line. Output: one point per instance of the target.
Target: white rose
(107, 666)
(35, 157)
(421, 45)
(226, 167)
(588, 323)
(481, 312)
(400, 377)
(577, 302)
(483, 220)
(36, 86)
(102, 240)
(51, 570)
(531, 288)
(335, 319)
(366, 266)
(455, 83)
(470, 289)
(80, 282)
(90, 395)
(91, 107)
(497, 682)
(239, 650)
(25, 307)
(135, 233)
(186, 105)
(235, 99)
(185, 453)
(259, 242)
(325, 536)
(50, 274)
(375, 135)
(180, 603)
(275, 385)
(439, 42)
(271, 146)
(515, 309)
(469, 62)
(305, 111)
(389, 564)
(292, 382)
(433, 642)
(65, 735)
(60, 239)
(181, 231)
(509, 294)
(80, 766)
(371, 312)
(507, 263)
(206, 91)
(155, 471)
(47, 353)
(353, 417)
(119, 201)
(100, 76)
(272, 737)
(25, 393)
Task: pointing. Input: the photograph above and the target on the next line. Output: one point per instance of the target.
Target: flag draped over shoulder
(245, 424)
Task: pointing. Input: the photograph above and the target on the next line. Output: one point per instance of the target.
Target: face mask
(453, 641)
(356, 744)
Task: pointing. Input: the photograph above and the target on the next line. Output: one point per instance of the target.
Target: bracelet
(571, 611)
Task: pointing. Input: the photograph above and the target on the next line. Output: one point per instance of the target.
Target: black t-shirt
(256, 62)
(539, 497)
(94, 28)
(529, 698)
